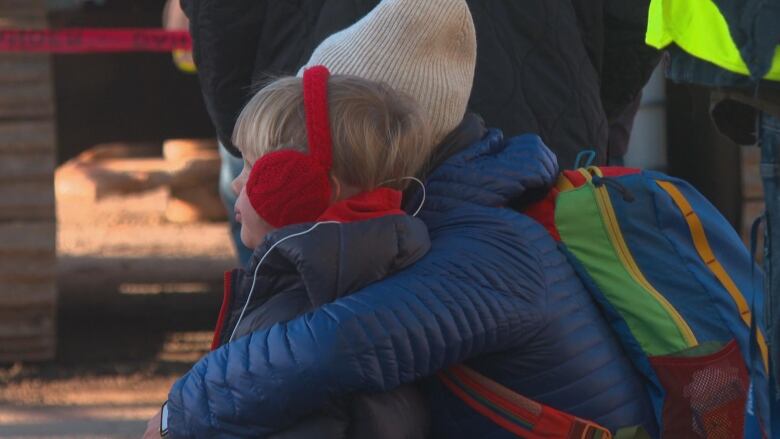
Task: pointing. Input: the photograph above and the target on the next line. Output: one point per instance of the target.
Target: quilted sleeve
(492, 173)
(225, 37)
(450, 306)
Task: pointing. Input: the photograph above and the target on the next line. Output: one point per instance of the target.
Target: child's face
(253, 227)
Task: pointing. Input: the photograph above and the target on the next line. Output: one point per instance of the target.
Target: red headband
(288, 187)
(315, 101)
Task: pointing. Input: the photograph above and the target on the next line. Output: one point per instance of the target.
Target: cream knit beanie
(424, 48)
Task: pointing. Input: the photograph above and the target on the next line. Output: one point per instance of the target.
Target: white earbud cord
(422, 185)
(294, 235)
(254, 275)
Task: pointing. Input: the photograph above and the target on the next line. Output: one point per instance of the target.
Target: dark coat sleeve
(628, 62)
(225, 38)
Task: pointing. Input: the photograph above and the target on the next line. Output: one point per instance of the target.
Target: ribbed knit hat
(424, 48)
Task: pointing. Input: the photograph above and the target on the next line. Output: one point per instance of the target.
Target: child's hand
(153, 428)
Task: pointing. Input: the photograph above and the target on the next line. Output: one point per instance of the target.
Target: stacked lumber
(188, 169)
(27, 216)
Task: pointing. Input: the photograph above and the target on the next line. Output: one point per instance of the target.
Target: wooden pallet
(28, 292)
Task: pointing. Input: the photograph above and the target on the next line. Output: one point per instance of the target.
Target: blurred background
(113, 239)
(111, 292)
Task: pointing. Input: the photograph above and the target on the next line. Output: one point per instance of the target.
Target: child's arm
(393, 332)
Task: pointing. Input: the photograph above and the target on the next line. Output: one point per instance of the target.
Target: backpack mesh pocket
(705, 395)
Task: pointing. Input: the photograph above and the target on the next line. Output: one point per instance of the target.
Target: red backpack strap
(227, 298)
(543, 211)
(514, 412)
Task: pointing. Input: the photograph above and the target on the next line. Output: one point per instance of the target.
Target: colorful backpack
(679, 289)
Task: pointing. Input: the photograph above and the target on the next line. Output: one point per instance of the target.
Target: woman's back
(558, 350)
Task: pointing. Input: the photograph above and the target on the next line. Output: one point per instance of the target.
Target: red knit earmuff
(289, 187)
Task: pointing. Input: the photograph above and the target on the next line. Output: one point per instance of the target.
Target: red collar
(367, 205)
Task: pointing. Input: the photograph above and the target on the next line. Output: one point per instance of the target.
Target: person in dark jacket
(494, 291)
(569, 70)
(565, 69)
(739, 61)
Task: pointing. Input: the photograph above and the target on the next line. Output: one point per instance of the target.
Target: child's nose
(238, 184)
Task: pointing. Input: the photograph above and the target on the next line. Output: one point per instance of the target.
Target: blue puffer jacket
(493, 291)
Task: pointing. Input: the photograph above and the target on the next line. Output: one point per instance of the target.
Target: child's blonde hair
(379, 135)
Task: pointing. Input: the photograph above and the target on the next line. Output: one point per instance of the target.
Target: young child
(325, 160)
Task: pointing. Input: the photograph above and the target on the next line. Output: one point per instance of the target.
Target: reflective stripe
(698, 27)
(708, 256)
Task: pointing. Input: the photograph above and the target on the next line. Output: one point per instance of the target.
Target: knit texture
(315, 99)
(289, 187)
(380, 202)
(426, 49)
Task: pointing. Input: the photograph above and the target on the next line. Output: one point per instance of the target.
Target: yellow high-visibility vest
(698, 27)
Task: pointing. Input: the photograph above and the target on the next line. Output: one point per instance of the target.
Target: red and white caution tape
(93, 40)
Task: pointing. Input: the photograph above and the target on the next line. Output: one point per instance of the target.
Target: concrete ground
(138, 301)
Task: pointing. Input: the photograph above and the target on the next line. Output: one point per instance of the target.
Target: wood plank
(26, 269)
(28, 349)
(23, 20)
(38, 348)
(28, 136)
(34, 165)
(16, 294)
(32, 356)
(28, 237)
(24, 67)
(27, 200)
(13, 7)
(26, 100)
(24, 345)
(27, 159)
(26, 325)
(31, 212)
(12, 11)
(30, 325)
(41, 352)
(26, 317)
